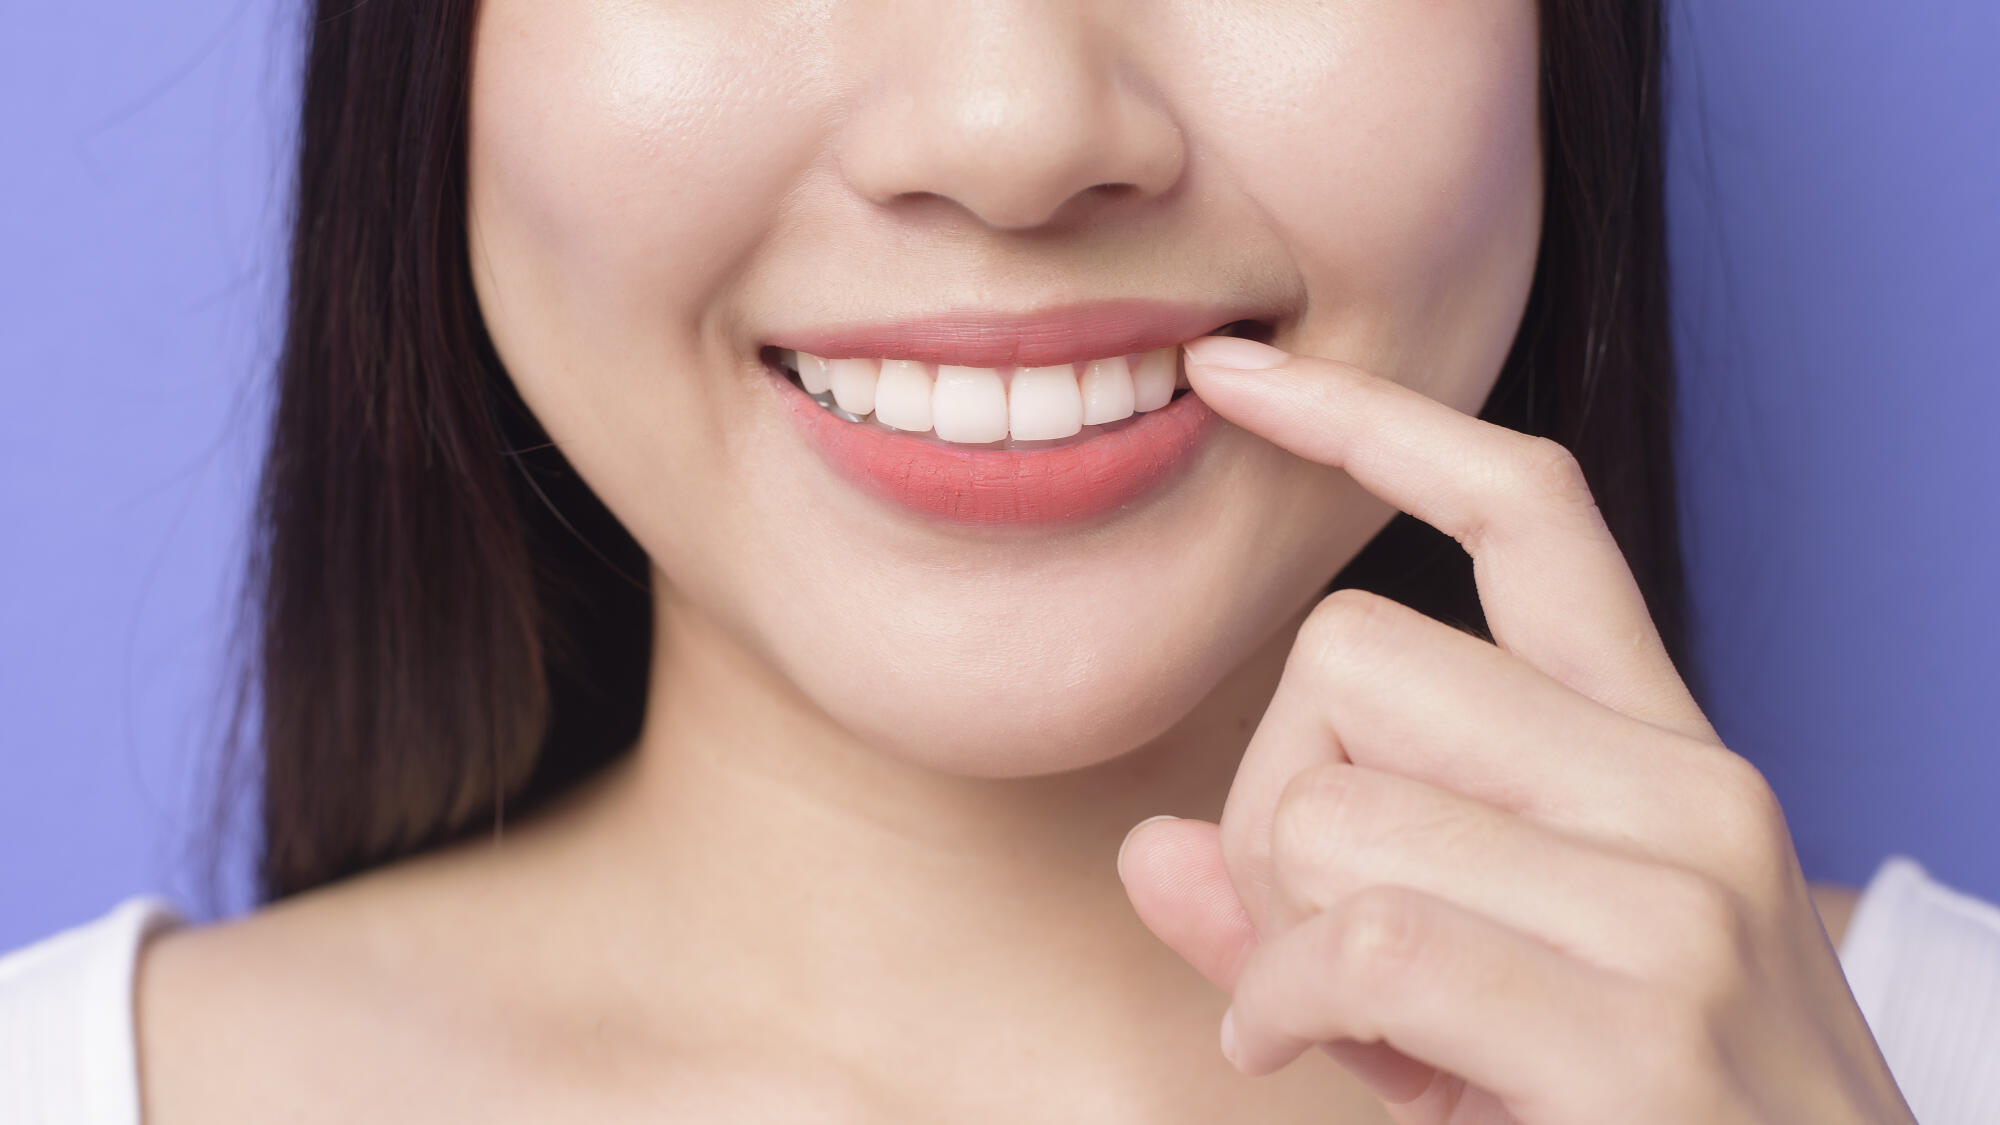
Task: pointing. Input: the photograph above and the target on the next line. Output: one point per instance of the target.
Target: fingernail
(1128, 837)
(1229, 1034)
(1235, 352)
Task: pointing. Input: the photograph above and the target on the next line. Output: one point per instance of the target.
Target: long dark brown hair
(447, 626)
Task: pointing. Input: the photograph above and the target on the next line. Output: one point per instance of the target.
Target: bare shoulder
(296, 1010)
(1835, 904)
(370, 1001)
(429, 990)
(228, 1015)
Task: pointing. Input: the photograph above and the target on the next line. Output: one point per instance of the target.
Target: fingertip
(1261, 1055)
(1180, 888)
(1253, 1065)
(1231, 353)
(1126, 843)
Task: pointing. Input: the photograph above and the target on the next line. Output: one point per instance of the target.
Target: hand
(1521, 881)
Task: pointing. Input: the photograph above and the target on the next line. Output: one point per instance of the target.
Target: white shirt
(1923, 961)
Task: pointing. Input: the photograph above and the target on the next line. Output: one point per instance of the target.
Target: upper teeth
(986, 404)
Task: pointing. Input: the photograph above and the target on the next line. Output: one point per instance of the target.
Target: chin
(1066, 707)
(1004, 675)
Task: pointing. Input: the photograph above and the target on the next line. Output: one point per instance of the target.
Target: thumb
(1175, 876)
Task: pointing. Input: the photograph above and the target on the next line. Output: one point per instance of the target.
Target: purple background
(1836, 208)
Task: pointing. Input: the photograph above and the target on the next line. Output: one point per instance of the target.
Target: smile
(994, 407)
(929, 417)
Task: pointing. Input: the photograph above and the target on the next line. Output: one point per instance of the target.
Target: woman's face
(665, 192)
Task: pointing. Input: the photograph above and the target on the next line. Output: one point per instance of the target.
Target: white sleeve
(1924, 963)
(67, 1052)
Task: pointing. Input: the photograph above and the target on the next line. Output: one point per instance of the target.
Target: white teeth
(1153, 378)
(1106, 387)
(812, 372)
(853, 383)
(1044, 404)
(981, 405)
(903, 395)
(969, 404)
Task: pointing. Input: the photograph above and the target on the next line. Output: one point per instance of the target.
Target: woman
(764, 497)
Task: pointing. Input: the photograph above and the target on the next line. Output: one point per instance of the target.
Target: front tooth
(1153, 378)
(812, 373)
(969, 404)
(903, 395)
(1107, 390)
(853, 383)
(1044, 404)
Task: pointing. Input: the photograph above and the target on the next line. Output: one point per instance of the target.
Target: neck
(829, 887)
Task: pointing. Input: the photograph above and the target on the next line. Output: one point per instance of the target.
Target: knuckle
(1550, 469)
(1535, 472)
(1311, 816)
(1345, 626)
(1706, 943)
(1745, 824)
(1377, 933)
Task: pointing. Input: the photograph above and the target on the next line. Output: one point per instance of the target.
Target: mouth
(979, 417)
(1011, 407)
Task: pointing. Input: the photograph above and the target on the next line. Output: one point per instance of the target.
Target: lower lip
(971, 485)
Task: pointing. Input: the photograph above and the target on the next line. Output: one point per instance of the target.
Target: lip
(985, 338)
(974, 486)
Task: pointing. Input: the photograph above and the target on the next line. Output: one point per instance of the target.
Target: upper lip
(986, 338)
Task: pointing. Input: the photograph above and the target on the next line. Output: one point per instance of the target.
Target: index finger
(1555, 587)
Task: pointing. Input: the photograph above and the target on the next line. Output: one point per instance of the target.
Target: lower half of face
(713, 244)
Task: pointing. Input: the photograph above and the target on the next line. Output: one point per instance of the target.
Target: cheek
(625, 159)
(625, 162)
(1412, 206)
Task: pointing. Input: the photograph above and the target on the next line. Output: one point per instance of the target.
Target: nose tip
(1023, 182)
(1017, 125)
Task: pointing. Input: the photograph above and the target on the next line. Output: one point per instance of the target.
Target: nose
(1009, 108)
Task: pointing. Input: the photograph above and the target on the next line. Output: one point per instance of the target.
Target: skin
(814, 891)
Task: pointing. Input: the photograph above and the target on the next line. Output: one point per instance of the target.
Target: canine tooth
(812, 373)
(903, 395)
(853, 383)
(1043, 403)
(1153, 378)
(1106, 387)
(969, 404)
